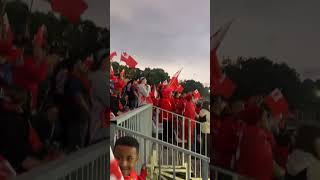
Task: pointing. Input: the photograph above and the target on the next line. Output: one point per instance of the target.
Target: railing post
(183, 137)
(189, 142)
(112, 134)
(157, 122)
(205, 170)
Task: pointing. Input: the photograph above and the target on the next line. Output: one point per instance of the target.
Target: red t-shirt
(134, 175)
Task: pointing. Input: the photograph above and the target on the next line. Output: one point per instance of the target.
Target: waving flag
(174, 83)
(221, 84)
(277, 103)
(196, 94)
(71, 9)
(224, 87)
(128, 60)
(115, 172)
(217, 37)
(112, 55)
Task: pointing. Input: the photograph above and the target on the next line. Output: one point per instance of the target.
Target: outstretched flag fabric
(277, 103)
(115, 172)
(71, 9)
(129, 60)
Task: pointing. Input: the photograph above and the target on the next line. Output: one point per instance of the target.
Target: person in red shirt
(226, 138)
(190, 114)
(126, 152)
(255, 151)
(165, 117)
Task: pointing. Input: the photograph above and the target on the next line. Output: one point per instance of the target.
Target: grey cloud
(284, 30)
(163, 32)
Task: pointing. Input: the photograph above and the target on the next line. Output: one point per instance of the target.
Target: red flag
(174, 83)
(112, 55)
(39, 38)
(131, 62)
(224, 87)
(71, 9)
(219, 35)
(6, 170)
(221, 84)
(277, 103)
(196, 94)
(115, 172)
(128, 60)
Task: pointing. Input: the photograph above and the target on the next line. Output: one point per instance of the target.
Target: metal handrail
(60, 169)
(162, 143)
(123, 117)
(170, 147)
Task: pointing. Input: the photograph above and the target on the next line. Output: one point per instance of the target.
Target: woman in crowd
(144, 91)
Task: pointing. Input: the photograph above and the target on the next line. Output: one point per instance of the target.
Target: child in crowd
(126, 151)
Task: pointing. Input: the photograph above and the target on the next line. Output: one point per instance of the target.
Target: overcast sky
(164, 34)
(98, 10)
(284, 30)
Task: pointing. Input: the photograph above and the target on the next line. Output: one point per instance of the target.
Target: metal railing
(138, 120)
(158, 164)
(91, 163)
(180, 131)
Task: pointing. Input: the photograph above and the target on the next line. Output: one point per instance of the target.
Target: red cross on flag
(277, 103)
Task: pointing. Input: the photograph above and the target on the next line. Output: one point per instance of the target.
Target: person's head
(126, 151)
(308, 140)
(143, 80)
(176, 94)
